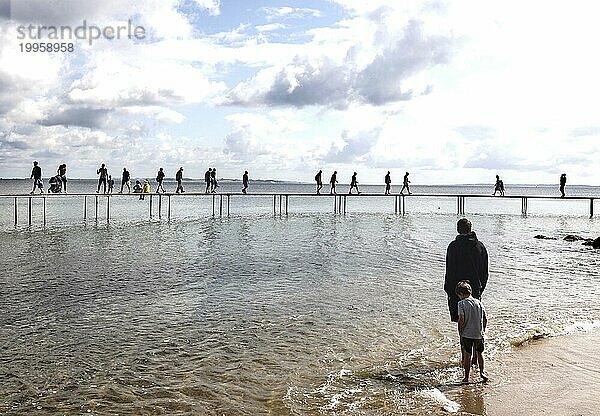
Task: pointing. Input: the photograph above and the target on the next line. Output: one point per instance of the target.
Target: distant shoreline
(280, 182)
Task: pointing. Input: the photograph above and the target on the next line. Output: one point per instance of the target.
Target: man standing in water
(388, 183)
(563, 182)
(333, 181)
(103, 172)
(354, 184)
(245, 181)
(36, 175)
(179, 179)
(319, 181)
(405, 184)
(466, 259)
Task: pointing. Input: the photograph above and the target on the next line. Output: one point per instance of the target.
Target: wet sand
(558, 376)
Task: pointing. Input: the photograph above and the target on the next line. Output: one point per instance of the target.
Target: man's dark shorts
(467, 344)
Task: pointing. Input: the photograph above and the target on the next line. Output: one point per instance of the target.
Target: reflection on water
(307, 314)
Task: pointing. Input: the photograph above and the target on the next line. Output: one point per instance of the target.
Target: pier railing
(221, 201)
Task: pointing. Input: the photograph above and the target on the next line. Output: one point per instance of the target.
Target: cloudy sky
(452, 91)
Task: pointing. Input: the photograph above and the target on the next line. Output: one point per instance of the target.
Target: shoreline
(557, 376)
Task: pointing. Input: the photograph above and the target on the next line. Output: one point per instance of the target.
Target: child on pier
(472, 322)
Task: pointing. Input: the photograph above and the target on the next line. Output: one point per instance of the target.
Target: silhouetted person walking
(499, 186)
(213, 180)
(563, 182)
(111, 184)
(332, 182)
(388, 183)
(466, 259)
(207, 179)
(245, 181)
(160, 177)
(353, 184)
(179, 179)
(319, 181)
(103, 172)
(125, 180)
(405, 183)
(62, 172)
(36, 175)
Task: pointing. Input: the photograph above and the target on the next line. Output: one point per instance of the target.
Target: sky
(453, 92)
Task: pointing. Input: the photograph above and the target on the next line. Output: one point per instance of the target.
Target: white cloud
(287, 12)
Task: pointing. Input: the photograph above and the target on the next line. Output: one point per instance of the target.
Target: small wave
(440, 398)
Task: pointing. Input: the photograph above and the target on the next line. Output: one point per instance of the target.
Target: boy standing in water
(472, 322)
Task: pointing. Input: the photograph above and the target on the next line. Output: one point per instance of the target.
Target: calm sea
(253, 313)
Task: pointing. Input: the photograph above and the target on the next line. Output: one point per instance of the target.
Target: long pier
(221, 201)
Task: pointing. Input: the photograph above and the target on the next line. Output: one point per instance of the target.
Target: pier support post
(280, 205)
(524, 206)
(403, 205)
(96, 208)
(344, 204)
(85, 207)
(16, 211)
(335, 204)
(44, 202)
(220, 205)
(169, 208)
(228, 205)
(107, 209)
(460, 205)
(274, 201)
(213, 202)
(395, 204)
(159, 205)
(29, 211)
(150, 206)
(286, 204)
(591, 207)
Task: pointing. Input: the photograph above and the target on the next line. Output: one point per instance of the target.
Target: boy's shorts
(467, 344)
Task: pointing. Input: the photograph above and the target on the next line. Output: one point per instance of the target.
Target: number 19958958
(46, 47)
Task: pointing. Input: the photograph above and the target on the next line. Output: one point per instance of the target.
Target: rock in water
(543, 237)
(571, 237)
(596, 243)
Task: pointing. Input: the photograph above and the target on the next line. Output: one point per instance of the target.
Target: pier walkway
(281, 201)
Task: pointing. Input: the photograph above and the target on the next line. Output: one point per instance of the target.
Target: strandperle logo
(84, 31)
(25, 11)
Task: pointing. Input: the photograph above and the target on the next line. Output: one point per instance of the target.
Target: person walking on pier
(499, 187)
(388, 183)
(333, 181)
(125, 180)
(111, 184)
(405, 183)
(213, 181)
(103, 172)
(319, 181)
(466, 259)
(354, 184)
(563, 182)
(62, 173)
(245, 182)
(36, 175)
(207, 179)
(179, 179)
(160, 177)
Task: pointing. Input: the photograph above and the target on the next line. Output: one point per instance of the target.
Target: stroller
(55, 185)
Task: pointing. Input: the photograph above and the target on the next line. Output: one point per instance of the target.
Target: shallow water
(310, 313)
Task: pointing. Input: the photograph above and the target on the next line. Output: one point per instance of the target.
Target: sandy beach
(558, 376)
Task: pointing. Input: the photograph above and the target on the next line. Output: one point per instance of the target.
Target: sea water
(255, 313)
